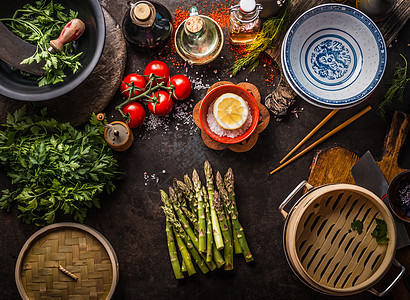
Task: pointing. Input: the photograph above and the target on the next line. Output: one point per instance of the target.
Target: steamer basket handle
(381, 294)
(304, 183)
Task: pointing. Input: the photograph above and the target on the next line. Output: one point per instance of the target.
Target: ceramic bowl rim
(392, 200)
(208, 100)
(366, 21)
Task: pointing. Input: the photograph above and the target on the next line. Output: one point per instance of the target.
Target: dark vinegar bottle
(147, 25)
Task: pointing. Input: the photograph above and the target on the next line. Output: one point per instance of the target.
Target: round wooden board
(94, 94)
(248, 144)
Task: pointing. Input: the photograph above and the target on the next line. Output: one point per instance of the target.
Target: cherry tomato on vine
(133, 83)
(183, 87)
(164, 104)
(136, 112)
(158, 68)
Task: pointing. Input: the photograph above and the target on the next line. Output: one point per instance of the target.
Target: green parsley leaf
(380, 232)
(55, 168)
(358, 226)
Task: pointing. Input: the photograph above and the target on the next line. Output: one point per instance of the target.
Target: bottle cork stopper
(194, 24)
(142, 11)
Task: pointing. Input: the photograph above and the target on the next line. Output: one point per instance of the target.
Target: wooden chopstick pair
(337, 129)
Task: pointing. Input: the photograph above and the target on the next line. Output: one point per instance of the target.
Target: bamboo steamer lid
(324, 250)
(84, 254)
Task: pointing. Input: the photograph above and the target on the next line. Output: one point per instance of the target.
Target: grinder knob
(118, 135)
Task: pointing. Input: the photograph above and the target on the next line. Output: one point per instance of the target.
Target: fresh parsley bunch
(54, 167)
(38, 24)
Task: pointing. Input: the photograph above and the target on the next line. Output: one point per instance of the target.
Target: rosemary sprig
(271, 30)
(396, 89)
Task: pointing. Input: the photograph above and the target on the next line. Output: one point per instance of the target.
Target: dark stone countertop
(132, 220)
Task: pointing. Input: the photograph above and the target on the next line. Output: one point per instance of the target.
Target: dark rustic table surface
(132, 220)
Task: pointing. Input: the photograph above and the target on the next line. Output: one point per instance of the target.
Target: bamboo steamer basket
(325, 253)
(87, 255)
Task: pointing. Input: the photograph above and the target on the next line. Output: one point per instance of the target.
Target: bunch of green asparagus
(202, 222)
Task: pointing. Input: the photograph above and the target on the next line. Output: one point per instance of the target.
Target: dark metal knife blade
(366, 173)
(13, 50)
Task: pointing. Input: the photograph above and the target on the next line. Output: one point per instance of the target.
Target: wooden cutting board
(333, 165)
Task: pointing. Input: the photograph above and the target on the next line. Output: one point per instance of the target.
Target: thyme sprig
(271, 31)
(396, 89)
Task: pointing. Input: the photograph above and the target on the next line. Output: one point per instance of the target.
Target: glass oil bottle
(199, 39)
(244, 22)
(147, 25)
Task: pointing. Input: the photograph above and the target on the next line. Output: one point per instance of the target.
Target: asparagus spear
(232, 231)
(178, 229)
(214, 219)
(186, 258)
(224, 196)
(213, 253)
(209, 236)
(183, 265)
(201, 212)
(228, 245)
(177, 207)
(179, 193)
(189, 214)
(171, 245)
(192, 217)
(217, 256)
(188, 229)
(233, 211)
(190, 192)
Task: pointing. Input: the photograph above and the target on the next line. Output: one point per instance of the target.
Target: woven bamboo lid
(326, 252)
(67, 261)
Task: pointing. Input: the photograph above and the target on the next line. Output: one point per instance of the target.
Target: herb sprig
(396, 89)
(38, 24)
(380, 232)
(270, 32)
(55, 168)
(357, 225)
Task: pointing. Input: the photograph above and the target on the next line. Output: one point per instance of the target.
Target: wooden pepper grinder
(71, 31)
(117, 134)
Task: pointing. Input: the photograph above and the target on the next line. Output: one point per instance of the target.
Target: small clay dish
(209, 99)
(398, 184)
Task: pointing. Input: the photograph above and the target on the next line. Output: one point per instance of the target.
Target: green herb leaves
(396, 89)
(38, 24)
(55, 168)
(358, 226)
(271, 30)
(380, 232)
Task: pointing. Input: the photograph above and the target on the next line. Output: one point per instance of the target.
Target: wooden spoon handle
(71, 31)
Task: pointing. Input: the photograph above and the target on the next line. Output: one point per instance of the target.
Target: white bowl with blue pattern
(310, 100)
(334, 55)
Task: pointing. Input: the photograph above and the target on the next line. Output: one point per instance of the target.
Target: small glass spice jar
(244, 22)
(147, 25)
